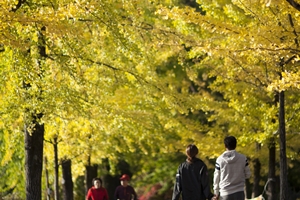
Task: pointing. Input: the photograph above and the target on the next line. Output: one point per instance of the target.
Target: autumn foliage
(138, 81)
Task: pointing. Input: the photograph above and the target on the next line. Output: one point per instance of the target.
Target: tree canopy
(137, 80)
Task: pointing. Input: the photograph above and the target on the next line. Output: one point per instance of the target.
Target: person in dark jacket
(125, 191)
(192, 180)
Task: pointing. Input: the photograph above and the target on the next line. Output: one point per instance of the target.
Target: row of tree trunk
(34, 144)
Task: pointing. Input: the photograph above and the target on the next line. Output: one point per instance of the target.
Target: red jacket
(97, 194)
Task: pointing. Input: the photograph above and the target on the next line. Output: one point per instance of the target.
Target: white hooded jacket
(230, 173)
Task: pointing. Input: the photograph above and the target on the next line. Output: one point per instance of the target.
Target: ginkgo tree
(99, 74)
(252, 50)
(92, 61)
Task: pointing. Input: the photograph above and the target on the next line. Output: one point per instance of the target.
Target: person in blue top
(192, 180)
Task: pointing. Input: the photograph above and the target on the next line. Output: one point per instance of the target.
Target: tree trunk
(282, 142)
(47, 178)
(110, 182)
(90, 173)
(67, 180)
(56, 187)
(34, 145)
(256, 189)
(271, 188)
(34, 139)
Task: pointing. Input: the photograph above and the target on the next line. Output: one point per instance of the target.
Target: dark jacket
(192, 181)
(125, 193)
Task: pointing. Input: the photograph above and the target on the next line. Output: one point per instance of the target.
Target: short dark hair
(191, 152)
(97, 179)
(230, 142)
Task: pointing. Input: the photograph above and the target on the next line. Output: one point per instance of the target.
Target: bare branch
(294, 31)
(294, 4)
(20, 3)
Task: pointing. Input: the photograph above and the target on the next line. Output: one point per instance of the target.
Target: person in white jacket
(230, 173)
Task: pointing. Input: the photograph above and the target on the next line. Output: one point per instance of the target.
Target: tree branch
(294, 31)
(294, 4)
(20, 3)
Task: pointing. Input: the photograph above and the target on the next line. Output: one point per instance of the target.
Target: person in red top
(125, 191)
(97, 192)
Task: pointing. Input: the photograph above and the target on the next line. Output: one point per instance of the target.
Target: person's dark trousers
(234, 196)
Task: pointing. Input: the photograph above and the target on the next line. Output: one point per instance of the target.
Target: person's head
(191, 152)
(230, 142)
(124, 180)
(97, 182)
